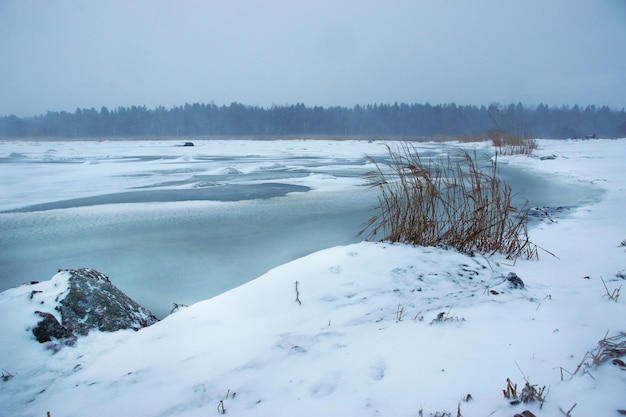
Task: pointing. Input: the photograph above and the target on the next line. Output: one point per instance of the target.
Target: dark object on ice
(547, 157)
(188, 144)
(547, 213)
(525, 413)
(91, 302)
(514, 280)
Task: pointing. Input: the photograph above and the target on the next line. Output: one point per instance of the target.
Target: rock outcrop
(514, 281)
(90, 302)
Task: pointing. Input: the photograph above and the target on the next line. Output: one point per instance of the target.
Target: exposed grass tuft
(530, 393)
(609, 347)
(611, 295)
(612, 347)
(510, 139)
(448, 202)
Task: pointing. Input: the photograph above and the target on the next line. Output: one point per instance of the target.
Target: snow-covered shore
(380, 329)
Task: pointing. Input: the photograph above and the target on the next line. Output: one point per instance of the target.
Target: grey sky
(64, 54)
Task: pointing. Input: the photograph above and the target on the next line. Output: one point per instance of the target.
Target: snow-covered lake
(173, 224)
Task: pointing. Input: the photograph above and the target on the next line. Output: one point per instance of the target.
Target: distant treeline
(410, 120)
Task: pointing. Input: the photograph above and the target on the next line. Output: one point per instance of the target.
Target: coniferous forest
(408, 120)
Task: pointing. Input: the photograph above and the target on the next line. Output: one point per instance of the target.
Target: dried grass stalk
(609, 347)
(449, 202)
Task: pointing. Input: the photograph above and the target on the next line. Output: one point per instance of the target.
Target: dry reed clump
(447, 202)
(530, 393)
(512, 143)
(510, 139)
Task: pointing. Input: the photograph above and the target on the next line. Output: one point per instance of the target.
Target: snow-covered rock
(82, 300)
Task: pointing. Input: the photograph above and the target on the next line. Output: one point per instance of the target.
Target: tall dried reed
(448, 202)
(510, 138)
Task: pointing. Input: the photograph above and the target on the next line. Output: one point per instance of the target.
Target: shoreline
(469, 138)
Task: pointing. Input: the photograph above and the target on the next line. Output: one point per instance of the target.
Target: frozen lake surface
(172, 224)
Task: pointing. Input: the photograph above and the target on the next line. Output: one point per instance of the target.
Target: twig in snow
(568, 411)
(612, 295)
(522, 372)
(399, 313)
(298, 294)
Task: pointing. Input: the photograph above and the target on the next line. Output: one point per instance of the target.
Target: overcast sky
(63, 54)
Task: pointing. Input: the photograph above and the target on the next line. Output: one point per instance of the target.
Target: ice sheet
(173, 224)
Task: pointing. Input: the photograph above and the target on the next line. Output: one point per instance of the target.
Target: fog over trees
(236, 119)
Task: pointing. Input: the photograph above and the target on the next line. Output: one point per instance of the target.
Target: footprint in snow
(336, 269)
(398, 271)
(377, 369)
(325, 386)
